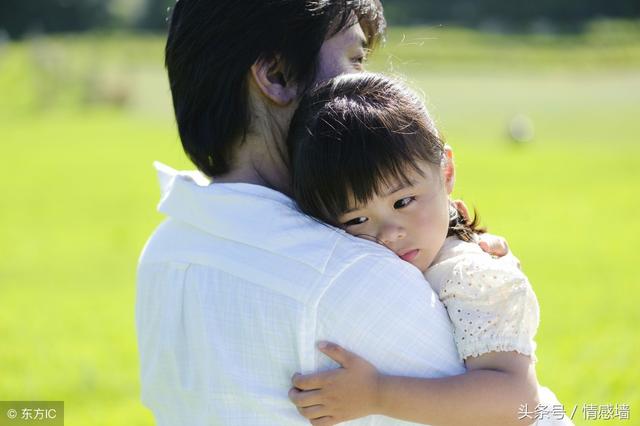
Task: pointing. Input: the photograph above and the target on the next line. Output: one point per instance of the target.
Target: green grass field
(81, 121)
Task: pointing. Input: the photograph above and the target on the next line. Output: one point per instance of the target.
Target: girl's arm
(492, 392)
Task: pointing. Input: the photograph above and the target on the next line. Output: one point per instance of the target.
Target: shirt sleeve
(492, 307)
(383, 309)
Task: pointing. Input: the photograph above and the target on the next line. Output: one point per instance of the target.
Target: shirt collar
(243, 212)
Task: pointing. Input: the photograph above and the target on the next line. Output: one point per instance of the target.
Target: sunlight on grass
(79, 194)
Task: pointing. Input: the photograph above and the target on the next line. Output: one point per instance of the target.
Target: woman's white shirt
(236, 288)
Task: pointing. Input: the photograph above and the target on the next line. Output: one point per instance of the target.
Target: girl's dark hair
(463, 227)
(354, 134)
(212, 45)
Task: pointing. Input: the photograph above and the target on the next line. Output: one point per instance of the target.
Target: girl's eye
(403, 202)
(356, 221)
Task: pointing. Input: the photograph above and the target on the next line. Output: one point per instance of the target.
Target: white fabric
(492, 307)
(490, 301)
(236, 287)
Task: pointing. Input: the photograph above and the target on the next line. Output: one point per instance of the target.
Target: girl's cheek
(424, 217)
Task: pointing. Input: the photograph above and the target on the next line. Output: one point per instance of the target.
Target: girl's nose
(391, 232)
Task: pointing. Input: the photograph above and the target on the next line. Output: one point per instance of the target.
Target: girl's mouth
(410, 255)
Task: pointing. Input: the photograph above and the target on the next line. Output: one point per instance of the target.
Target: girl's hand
(339, 395)
(493, 244)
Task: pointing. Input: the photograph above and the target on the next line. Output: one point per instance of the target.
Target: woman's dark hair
(212, 45)
(354, 135)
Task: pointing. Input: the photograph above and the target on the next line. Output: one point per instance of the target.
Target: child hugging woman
(366, 157)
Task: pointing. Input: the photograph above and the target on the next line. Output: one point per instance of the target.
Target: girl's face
(412, 220)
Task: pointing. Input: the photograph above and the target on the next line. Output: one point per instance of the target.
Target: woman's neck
(257, 161)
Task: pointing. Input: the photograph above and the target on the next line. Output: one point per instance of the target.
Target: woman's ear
(270, 76)
(449, 169)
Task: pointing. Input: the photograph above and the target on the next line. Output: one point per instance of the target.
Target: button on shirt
(236, 287)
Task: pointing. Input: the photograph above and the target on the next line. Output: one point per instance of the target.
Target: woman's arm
(496, 385)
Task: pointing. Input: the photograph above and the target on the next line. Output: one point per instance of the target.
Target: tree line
(21, 17)
(511, 14)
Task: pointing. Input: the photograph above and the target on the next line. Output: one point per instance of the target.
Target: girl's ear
(449, 169)
(270, 76)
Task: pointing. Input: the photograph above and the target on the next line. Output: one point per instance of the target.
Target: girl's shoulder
(466, 261)
(454, 250)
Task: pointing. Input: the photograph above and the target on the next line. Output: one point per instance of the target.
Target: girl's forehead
(391, 186)
(428, 173)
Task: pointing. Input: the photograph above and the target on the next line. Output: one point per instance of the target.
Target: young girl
(366, 157)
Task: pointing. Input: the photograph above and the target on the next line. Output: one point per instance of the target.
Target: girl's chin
(424, 261)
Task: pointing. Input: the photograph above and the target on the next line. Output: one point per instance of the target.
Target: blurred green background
(543, 115)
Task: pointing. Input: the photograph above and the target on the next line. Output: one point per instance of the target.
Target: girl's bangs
(367, 166)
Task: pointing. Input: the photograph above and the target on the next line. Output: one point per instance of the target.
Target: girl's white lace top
(489, 300)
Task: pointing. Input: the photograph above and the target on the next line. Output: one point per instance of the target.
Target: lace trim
(477, 348)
